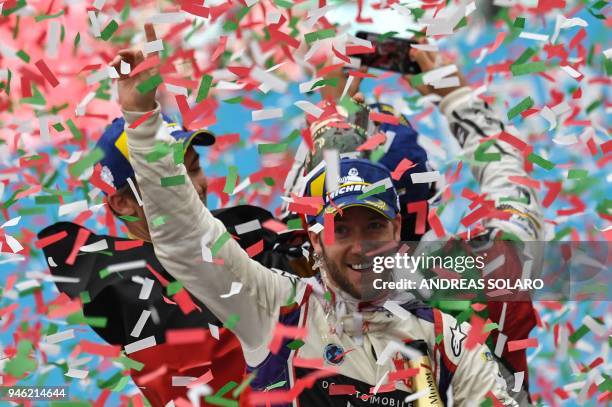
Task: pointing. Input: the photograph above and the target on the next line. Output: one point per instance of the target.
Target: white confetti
(135, 191)
(182, 381)
(128, 265)
(82, 106)
(425, 177)
(53, 37)
(266, 114)
(548, 115)
(417, 395)
(425, 47)
(273, 17)
(248, 227)
(153, 46)
(76, 373)
(596, 327)
(11, 222)
(214, 331)
(60, 336)
(570, 71)
(272, 81)
(439, 73)
(72, 207)
(15, 246)
(140, 345)
(332, 169)
(533, 36)
(380, 382)
(95, 24)
(95, 247)
(98, 4)
(168, 18)
(500, 344)
(145, 290)
(518, 381)
(142, 320)
(494, 264)
(234, 289)
(310, 108)
(51, 262)
(124, 68)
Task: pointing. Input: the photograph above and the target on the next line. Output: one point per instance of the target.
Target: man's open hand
(428, 61)
(130, 97)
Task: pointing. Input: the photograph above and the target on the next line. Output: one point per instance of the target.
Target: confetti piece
(231, 321)
(95, 247)
(214, 331)
(518, 381)
(140, 345)
(247, 227)
(145, 291)
(150, 84)
(204, 88)
(80, 240)
(109, 30)
(234, 289)
(173, 181)
(127, 265)
(395, 308)
(153, 46)
(142, 320)
(332, 169)
(522, 344)
(140, 121)
(77, 373)
(309, 108)
(266, 114)
(60, 336)
(425, 177)
(522, 106)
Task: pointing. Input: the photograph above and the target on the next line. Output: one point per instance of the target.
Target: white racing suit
(342, 343)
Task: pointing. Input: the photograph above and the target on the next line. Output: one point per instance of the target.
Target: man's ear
(397, 228)
(122, 205)
(315, 240)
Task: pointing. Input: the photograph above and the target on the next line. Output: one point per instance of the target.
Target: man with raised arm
(322, 341)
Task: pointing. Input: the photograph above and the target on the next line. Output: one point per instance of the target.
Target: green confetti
(77, 40)
(319, 35)
(234, 101)
(109, 30)
(50, 16)
(439, 338)
(374, 191)
(37, 98)
(76, 133)
(231, 321)
(173, 288)
(129, 218)
(230, 180)
(383, 37)
(270, 148)
(295, 344)
(218, 244)
(579, 333)
(577, 174)
(245, 383)
(89, 160)
(294, 224)
(150, 84)
(283, 3)
(159, 151)
(220, 401)
(58, 127)
(531, 67)
(481, 155)
(204, 88)
(519, 22)
(521, 107)
(593, 106)
(85, 298)
(491, 326)
(349, 104)
(173, 181)
(23, 55)
(525, 56)
(160, 220)
(327, 296)
(276, 385)
(333, 82)
(540, 161)
(130, 363)
(104, 273)
(46, 199)
(178, 156)
(417, 80)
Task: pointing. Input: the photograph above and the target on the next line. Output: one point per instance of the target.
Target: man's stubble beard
(339, 278)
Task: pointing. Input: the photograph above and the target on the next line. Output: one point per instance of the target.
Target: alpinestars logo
(457, 338)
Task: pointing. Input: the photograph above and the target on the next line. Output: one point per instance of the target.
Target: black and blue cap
(116, 167)
(360, 183)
